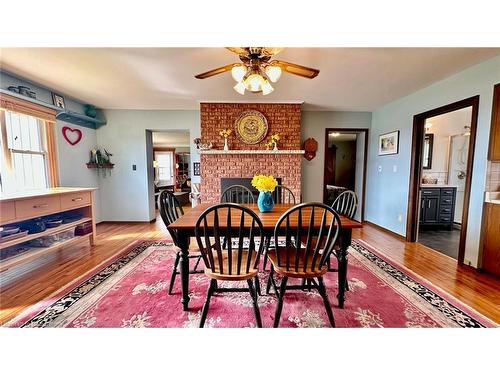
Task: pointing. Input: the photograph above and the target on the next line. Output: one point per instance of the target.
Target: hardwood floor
(22, 287)
(479, 290)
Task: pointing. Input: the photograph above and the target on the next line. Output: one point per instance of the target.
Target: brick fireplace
(281, 118)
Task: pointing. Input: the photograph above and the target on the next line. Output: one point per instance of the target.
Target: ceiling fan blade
(296, 69)
(238, 50)
(271, 51)
(214, 72)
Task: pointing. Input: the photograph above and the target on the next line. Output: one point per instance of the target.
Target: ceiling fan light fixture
(240, 88)
(238, 72)
(254, 82)
(267, 88)
(273, 72)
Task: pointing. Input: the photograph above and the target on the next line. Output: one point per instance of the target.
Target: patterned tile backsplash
(493, 176)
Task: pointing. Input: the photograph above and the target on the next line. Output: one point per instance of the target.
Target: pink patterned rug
(131, 291)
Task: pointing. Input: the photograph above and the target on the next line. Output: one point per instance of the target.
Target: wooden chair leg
(257, 286)
(174, 272)
(269, 279)
(279, 305)
(256, 310)
(322, 292)
(197, 263)
(204, 311)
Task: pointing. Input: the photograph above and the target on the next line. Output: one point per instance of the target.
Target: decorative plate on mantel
(251, 127)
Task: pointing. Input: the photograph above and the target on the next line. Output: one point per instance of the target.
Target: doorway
(169, 158)
(442, 159)
(345, 165)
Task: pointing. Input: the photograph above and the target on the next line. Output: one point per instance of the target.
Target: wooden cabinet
(494, 153)
(437, 206)
(491, 239)
(17, 209)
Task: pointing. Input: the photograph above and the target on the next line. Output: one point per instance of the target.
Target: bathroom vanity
(437, 205)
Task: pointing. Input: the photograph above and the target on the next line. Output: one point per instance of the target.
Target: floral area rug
(131, 291)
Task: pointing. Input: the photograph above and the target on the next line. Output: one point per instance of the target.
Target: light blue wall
(387, 191)
(126, 194)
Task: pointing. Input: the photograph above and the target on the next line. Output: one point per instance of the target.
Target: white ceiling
(174, 138)
(351, 79)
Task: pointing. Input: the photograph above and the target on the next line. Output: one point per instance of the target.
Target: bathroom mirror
(427, 155)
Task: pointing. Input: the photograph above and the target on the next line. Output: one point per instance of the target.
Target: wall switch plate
(379, 168)
(134, 167)
(394, 168)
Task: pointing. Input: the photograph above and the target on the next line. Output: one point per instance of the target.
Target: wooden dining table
(185, 228)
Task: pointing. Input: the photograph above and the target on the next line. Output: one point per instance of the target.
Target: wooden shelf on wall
(62, 114)
(79, 119)
(100, 166)
(247, 152)
(29, 99)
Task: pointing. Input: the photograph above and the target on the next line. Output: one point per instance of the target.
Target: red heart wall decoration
(72, 136)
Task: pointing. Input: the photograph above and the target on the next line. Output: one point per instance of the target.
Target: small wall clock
(251, 127)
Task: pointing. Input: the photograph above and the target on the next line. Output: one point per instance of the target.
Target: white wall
(443, 127)
(125, 195)
(72, 159)
(313, 126)
(387, 191)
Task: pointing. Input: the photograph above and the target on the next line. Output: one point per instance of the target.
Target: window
(24, 156)
(164, 163)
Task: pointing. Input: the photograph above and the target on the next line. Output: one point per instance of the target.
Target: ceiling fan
(256, 69)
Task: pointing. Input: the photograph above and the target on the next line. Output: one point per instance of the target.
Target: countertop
(437, 186)
(41, 192)
(492, 197)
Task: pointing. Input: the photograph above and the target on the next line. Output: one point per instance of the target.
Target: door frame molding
(365, 161)
(416, 170)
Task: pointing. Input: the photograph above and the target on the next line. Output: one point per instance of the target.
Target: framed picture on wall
(196, 168)
(388, 143)
(58, 100)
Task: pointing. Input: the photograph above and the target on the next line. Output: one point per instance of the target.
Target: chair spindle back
(224, 223)
(308, 247)
(237, 194)
(170, 211)
(282, 194)
(346, 204)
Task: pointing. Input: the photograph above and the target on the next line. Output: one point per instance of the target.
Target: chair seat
(291, 272)
(234, 267)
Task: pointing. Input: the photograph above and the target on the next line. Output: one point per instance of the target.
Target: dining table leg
(183, 241)
(345, 242)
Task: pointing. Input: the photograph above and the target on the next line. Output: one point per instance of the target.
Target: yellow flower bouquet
(265, 185)
(225, 133)
(273, 142)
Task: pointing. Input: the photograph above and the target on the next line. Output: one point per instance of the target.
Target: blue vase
(265, 201)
